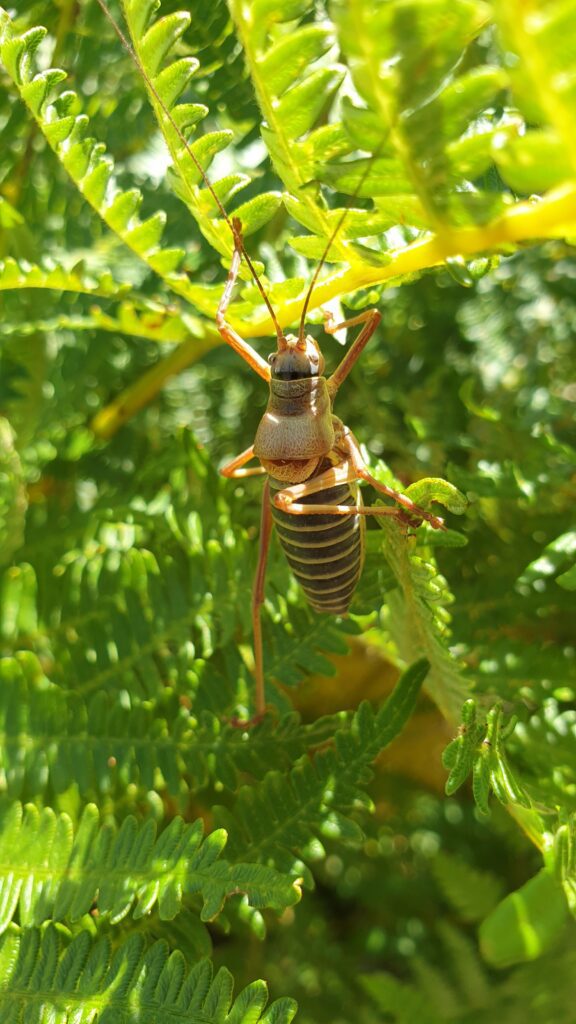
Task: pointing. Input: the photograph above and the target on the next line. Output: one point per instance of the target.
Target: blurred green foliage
(126, 560)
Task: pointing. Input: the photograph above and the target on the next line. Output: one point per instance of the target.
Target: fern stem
(414, 632)
(554, 216)
(386, 106)
(109, 420)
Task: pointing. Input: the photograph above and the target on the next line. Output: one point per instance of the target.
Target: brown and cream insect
(311, 460)
(313, 466)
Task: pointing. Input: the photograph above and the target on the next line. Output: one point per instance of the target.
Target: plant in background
(149, 850)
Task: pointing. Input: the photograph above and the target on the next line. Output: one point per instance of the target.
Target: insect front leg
(370, 318)
(231, 337)
(235, 468)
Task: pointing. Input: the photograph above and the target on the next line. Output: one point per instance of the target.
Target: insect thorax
(297, 425)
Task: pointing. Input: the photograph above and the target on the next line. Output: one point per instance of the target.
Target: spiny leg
(228, 333)
(347, 472)
(234, 468)
(287, 499)
(370, 318)
(348, 442)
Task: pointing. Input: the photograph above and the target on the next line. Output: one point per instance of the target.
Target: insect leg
(370, 318)
(258, 598)
(347, 471)
(228, 333)
(287, 499)
(348, 442)
(233, 469)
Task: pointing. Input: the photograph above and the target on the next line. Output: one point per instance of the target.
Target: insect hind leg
(348, 442)
(348, 470)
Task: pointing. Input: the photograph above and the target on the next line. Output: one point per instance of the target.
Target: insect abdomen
(324, 551)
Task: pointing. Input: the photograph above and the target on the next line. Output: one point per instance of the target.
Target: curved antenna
(339, 223)
(236, 235)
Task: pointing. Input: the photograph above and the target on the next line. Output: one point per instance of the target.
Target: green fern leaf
(15, 275)
(480, 748)
(45, 973)
(292, 96)
(83, 157)
(471, 892)
(52, 739)
(276, 820)
(48, 871)
(154, 43)
(401, 1003)
(13, 500)
(543, 83)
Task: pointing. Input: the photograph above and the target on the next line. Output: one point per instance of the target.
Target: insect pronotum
(311, 460)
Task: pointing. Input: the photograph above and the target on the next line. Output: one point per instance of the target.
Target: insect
(311, 460)
(313, 466)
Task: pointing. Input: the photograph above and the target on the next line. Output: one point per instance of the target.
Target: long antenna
(239, 244)
(339, 223)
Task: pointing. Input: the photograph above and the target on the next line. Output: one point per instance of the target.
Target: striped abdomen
(325, 552)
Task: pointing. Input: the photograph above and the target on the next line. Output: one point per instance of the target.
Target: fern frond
(158, 325)
(155, 42)
(429, 121)
(303, 646)
(48, 869)
(471, 892)
(544, 88)
(15, 275)
(472, 981)
(480, 749)
(52, 740)
(544, 985)
(418, 605)
(460, 988)
(144, 621)
(82, 980)
(276, 821)
(83, 157)
(432, 102)
(401, 1003)
(13, 499)
(423, 98)
(295, 82)
(148, 620)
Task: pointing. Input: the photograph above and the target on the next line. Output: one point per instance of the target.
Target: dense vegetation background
(124, 621)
